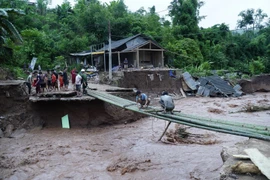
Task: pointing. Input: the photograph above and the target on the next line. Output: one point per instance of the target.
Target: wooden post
(110, 52)
(92, 63)
(119, 62)
(183, 93)
(162, 58)
(138, 58)
(164, 131)
(104, 60)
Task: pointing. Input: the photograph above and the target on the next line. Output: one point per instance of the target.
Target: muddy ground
(129, 151)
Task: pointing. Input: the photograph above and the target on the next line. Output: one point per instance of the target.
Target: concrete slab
(262, 162)
(38, 99)
(11, 82)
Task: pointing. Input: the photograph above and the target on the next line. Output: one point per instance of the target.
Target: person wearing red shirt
(53, 81)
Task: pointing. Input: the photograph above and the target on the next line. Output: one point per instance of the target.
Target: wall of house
(150, 58)
(147, 59)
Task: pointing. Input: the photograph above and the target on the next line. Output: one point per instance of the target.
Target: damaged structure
(210, 86)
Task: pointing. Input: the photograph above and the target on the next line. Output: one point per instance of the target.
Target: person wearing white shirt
(78, 82)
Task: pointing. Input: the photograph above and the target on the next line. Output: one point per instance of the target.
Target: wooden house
(140, 51)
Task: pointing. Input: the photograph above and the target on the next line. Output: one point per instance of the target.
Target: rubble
(209, 86)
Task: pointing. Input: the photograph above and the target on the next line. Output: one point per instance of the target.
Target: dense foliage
(52, 34)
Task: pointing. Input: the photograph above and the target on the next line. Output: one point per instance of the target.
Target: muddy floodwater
(129, 151)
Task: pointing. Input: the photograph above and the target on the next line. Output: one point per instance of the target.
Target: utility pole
(104, 57)
(110, 52)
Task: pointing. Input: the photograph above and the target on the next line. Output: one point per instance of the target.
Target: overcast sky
(217, 11)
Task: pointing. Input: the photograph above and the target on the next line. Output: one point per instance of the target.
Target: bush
(16, 72)
(256, 67)
(245, 76)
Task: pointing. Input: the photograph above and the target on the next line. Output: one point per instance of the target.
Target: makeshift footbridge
(229, 127)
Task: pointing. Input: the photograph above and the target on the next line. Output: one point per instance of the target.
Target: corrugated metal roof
(131, 43)
(192, 84)
(220, 85)
(85, 53)
(135, 46)
(116, 44)
(130, 46)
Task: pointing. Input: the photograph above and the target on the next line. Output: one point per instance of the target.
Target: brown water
(126, 151)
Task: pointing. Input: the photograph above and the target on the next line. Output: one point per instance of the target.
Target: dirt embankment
(257, 83)
(17, 112)
(150, 80)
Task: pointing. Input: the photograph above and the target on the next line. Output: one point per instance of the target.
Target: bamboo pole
(165, 131)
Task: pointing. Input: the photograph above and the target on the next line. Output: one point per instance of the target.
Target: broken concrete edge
(11, 82)
(119, 90)
(262, 162)
(229, 160)
(39, 99)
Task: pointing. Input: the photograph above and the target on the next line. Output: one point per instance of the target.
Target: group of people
(166, 101)
(47, 81)
(51, 80)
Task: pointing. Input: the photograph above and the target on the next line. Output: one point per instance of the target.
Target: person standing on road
(49, 80)
(65, 79)
(42, 82)
(29, 82)
(53, 81)
(56, 82)
(61, 80)
(84, 81)
(73, 77)
(166, 102)
(142, 99)
(37, 84)
(78, 82)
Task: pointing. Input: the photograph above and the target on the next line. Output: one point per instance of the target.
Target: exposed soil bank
(150, 81)
(257, 83)
(17, 112)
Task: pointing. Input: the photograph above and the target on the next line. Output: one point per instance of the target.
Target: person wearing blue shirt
(142, 99)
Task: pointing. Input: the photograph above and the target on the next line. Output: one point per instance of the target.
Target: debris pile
(209, 86)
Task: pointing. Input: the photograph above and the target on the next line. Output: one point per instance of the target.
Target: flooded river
(126, 151)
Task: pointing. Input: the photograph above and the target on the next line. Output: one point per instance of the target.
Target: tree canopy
(33, 30)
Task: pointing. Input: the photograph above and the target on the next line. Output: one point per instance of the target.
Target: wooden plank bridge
(235, 128)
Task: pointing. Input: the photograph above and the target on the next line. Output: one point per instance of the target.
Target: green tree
(185, 52)
(42, 7)
(251, 19)
(8, 30)
(185, 16)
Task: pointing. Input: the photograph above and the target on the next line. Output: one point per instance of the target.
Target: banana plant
(7, 29)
